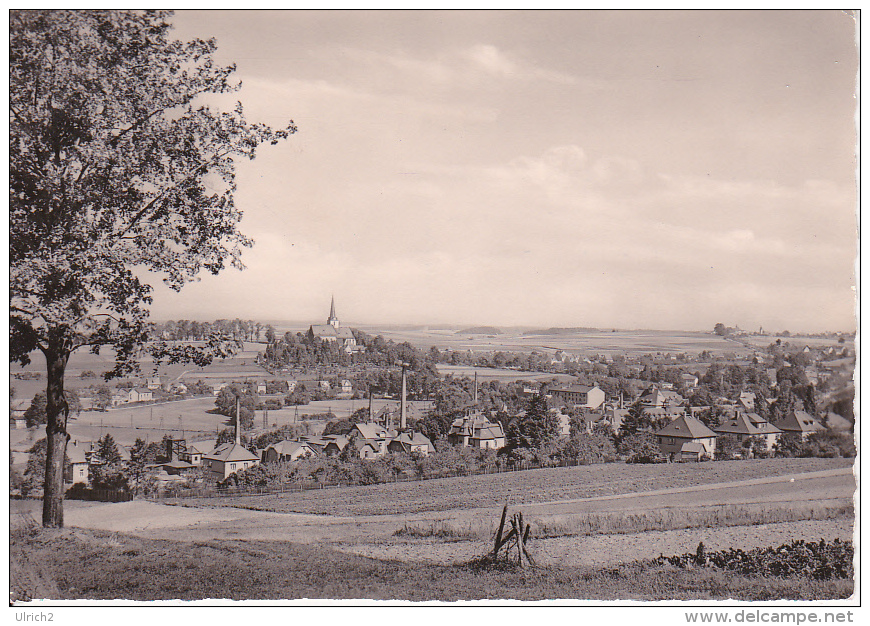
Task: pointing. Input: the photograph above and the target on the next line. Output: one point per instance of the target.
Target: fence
(100, 495)
(300, 486)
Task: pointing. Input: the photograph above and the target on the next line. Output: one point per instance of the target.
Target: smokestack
(238, 424)
(404, 414)
(475, 387)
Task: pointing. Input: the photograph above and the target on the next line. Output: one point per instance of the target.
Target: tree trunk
(57, 412)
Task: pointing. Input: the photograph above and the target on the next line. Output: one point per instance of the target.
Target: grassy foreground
(80, 564)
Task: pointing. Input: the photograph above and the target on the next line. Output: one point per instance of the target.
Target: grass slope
(541, 485)
(78, 564)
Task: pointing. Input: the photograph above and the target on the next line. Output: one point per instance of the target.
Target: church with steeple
(332, 331)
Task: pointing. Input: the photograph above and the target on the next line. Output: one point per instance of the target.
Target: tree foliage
(35, 413)
(118, 167)
(536, 428)
(225, 404)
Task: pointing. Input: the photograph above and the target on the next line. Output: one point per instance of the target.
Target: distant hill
(479, 330)
(561, 331)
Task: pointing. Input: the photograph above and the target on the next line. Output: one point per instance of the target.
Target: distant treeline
(480, 330)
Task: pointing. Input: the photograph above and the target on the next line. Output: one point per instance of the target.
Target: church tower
(332, 320)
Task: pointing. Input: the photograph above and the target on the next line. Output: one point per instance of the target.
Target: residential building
(767, 431)
(78, 470)
(346, 389)
(196, 451)
(654, 396)
(685, 430)
(477, 431)
(373, 432)
(287, 451)
(743, 427)
(228, 459)
(140, 394)
(668, 412)
(799, 423)
(411, 442)
(690, 381)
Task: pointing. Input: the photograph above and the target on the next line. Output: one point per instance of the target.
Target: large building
(332, 331)
(579, 395)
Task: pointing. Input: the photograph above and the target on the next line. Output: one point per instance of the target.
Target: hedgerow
(816, 560)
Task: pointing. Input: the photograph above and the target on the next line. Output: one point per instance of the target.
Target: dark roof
(328, 330)
(686, 427)
(231, 452)
(799, 421)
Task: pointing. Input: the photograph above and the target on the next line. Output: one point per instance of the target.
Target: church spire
(333, 319)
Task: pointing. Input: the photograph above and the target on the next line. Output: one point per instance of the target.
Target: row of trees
(192, 330)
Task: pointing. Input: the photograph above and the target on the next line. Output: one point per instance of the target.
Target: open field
(550, 486)
(581, 342)
(150, 551)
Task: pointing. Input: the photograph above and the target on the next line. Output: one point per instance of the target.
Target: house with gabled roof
(140, 394)
(411, 442)
(766, 430)
(743, 427)
(683, 430)
(227, 459)
(799, 423)
(78, 470)
(689, 381)
(654, 396)
(194, 452)
(477, 431)
(287, 451)
(371, 431)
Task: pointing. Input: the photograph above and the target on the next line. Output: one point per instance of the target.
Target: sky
(619, 169)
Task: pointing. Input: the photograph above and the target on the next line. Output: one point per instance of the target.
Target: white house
(228, 459)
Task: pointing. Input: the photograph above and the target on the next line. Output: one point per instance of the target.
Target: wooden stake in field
(518, 537)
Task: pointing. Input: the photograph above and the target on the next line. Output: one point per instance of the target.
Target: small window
(232, 466)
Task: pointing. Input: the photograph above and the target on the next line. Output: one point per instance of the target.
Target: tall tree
(116, 164)
(35, 413)
(536, 428)
(107, 449)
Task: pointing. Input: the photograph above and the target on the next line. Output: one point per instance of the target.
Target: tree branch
(144, 211)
